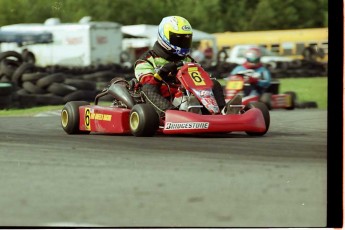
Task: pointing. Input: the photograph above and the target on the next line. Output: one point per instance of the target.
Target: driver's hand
(256, 75)
(167, 71)
(246, 72)
(253, 80)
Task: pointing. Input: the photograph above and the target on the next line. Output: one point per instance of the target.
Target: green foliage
(307, 89)
(207, 15)
(29, 111)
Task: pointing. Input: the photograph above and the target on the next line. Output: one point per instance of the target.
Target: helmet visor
(252, 57)
(181, 40)
(253, 60)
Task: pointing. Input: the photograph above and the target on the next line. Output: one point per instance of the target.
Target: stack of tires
(25, 85)
(53, 89)
(297, 68)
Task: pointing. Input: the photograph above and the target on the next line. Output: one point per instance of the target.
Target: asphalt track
(49, 178)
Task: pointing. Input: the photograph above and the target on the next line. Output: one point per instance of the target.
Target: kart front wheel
(70, 117)
(143, 120)
(265, 112)
(266, 99)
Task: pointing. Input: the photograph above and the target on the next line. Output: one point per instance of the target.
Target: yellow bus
(296, 43)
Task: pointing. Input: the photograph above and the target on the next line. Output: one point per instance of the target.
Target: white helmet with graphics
(175, 35)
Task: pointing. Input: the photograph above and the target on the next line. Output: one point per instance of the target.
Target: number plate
(196, 76)
(237, 85)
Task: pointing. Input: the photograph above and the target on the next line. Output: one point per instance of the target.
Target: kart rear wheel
(70, 117)
(265, 113)
(143, 120)
(293, 98)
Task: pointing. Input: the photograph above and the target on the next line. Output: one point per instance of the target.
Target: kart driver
(159, 65)
(261, 78)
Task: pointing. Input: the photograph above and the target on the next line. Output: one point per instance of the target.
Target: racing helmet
(253, 55)
(175, 35)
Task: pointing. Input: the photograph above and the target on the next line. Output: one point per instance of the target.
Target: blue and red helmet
(253, 55)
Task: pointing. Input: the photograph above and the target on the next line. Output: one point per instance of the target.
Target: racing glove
(253, 80)
(167, 72)
(247, 72)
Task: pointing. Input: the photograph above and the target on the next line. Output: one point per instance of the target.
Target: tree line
(207, 15)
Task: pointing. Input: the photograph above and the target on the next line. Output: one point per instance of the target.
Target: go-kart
(196, 110)
(239, 83)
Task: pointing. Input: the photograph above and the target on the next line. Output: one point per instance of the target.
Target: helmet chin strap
(182, 55)
(249, 65)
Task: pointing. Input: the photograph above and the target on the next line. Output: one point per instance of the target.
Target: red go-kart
(239, 84)
(196, 110)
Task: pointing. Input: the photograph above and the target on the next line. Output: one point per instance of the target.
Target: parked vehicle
(23, 39)
(293, 43)
(236, 55)
(74, 44)
(196, 111)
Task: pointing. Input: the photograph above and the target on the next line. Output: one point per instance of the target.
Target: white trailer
(74, 44)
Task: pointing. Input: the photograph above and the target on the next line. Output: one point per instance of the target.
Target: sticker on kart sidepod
(101, 117)
(87, 119)
(195, 75)
(94, 116)
(186, 125)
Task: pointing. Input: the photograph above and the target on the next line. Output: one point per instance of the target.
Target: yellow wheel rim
(64, 118)
(134, 121)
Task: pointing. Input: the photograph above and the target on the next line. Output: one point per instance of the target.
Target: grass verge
(308, 89)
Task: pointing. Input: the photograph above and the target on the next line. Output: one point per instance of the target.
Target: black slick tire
(143, 120)
(70, 117)
(265, 112)
(266, 99)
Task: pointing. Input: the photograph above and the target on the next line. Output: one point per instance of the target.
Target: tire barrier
(6, 89)
(296, 68)
(25, 85)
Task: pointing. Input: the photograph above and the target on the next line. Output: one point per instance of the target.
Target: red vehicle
(239, 84)
(197, 111)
